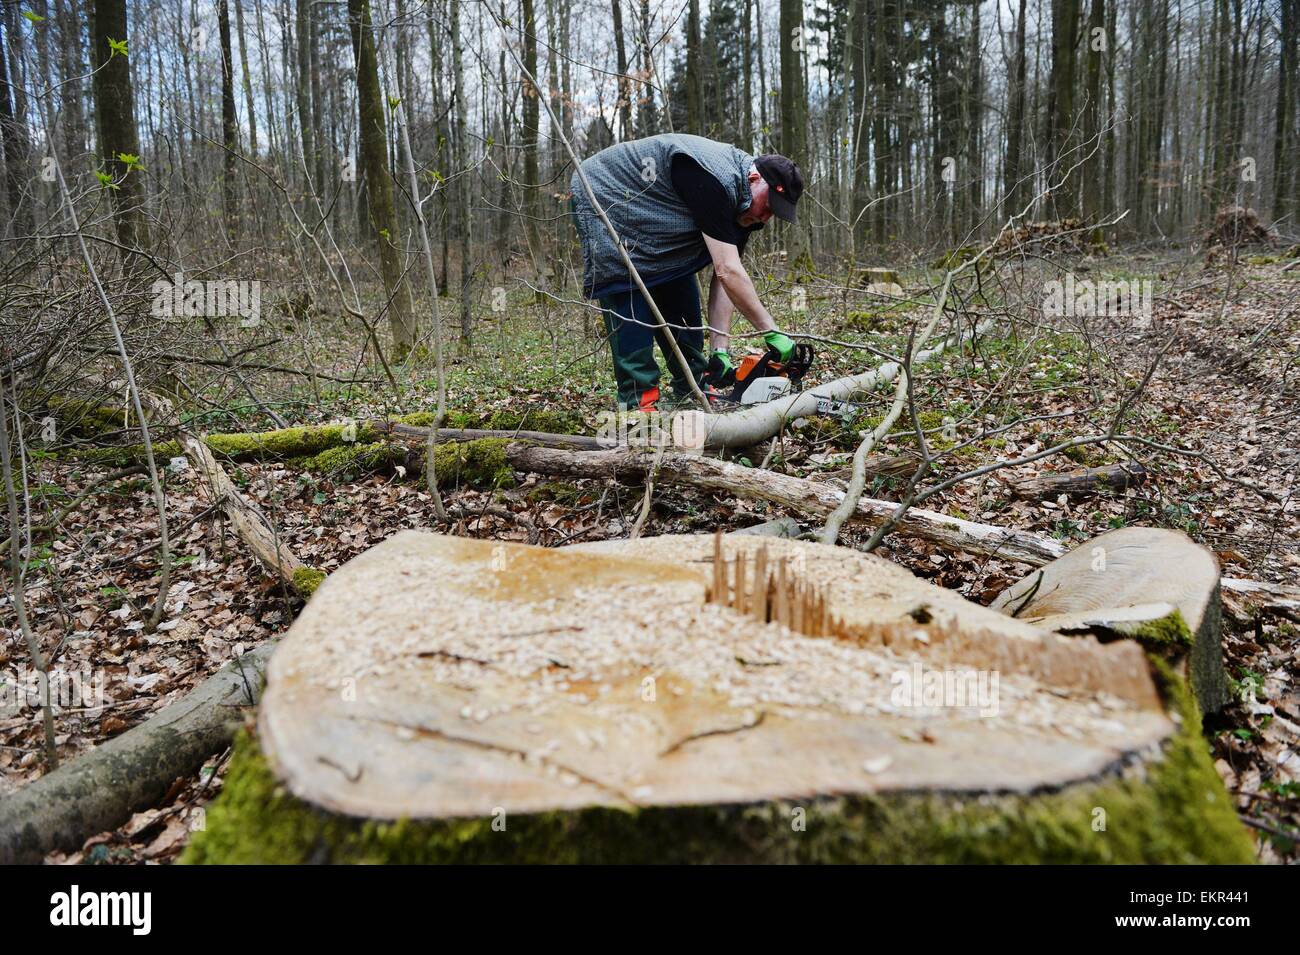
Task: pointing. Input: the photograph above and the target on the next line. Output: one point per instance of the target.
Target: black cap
(785, 183)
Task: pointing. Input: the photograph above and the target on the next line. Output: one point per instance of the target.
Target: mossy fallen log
(481, 463)
(508, 719)
(358, 446)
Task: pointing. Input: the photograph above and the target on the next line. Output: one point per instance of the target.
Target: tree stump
(881, 282)
(1154, 585)
(702, 699)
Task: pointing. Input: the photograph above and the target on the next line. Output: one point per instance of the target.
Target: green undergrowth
(1174, 810)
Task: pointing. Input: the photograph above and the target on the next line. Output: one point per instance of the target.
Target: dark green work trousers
(633, 332)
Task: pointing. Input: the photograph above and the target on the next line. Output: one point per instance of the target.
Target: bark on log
(1115, 477)
(100, 790)
(878, 465)
(695, 429)
(249, 523)
(1262, 595)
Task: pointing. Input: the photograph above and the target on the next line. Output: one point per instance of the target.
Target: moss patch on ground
(1175, 811)
(306, 580)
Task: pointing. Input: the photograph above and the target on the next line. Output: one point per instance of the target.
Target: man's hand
(721, 372)
(781, 345)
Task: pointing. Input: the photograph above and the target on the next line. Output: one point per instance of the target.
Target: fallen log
(131, 772)
(249, 524)
(812, 498)
(817, 499)
(577, 441)
(740, 684)
(1261, 595)
(786, 527)
(1113, 477)
(695, 429)
(876, 465)
(307, 441)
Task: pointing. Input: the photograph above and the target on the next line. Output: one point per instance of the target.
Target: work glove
(720, 371)
(781, 345)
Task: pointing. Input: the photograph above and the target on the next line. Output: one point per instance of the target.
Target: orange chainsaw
(757, 366)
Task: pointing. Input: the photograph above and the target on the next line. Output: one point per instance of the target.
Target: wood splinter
(773, 593)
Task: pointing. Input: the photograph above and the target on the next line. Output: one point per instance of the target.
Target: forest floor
(1226, 387)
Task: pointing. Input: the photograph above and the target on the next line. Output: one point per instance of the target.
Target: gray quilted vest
(633, 183)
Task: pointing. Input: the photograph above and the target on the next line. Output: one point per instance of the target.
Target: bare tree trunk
(247, 77)
(229, 125)
(15, 146)
(302, 77)
(317, 121)
(747, 127)
(1286, 199)
(646, 118)
(1060, 101)
(463, 198)
(379, 184)
(624, 84)
(694, 71)
(1012, 164)
(1095, 42)
(73, 67)
(794, 99)
(115, 119)
(529, 134)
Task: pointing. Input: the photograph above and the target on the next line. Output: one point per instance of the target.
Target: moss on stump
(1174, 810)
